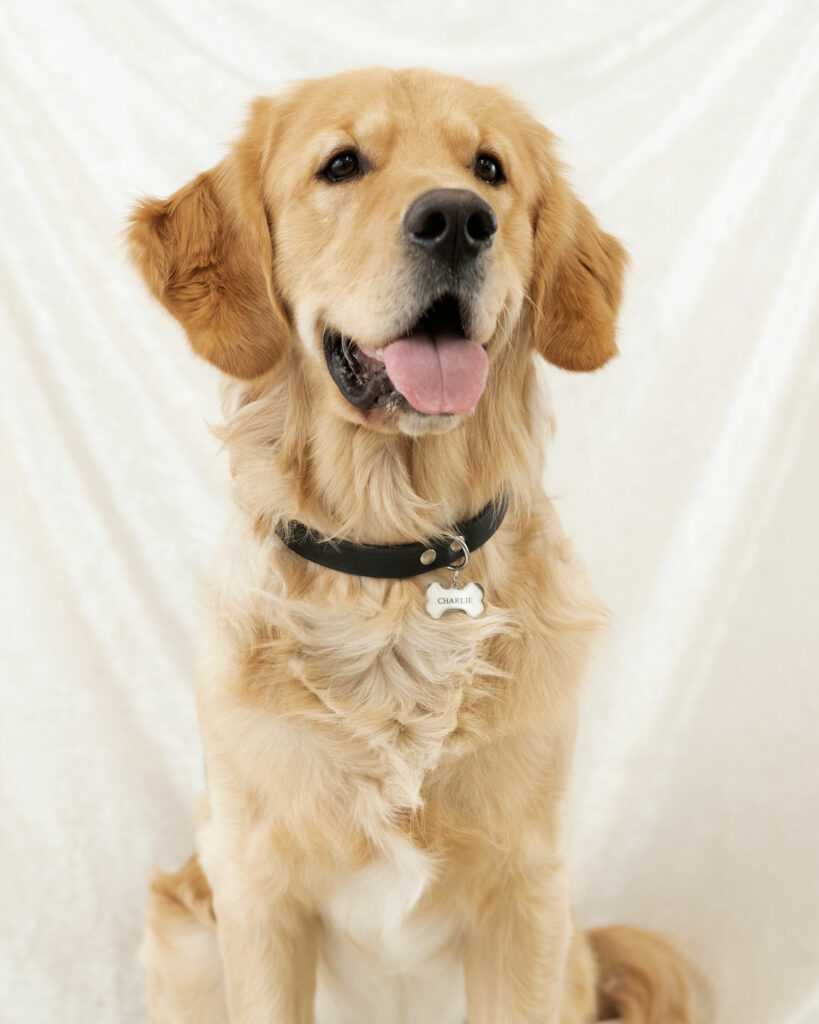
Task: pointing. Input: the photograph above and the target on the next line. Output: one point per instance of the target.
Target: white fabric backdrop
(686, 471)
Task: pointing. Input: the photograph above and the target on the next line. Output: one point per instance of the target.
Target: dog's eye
(488, 168)
(343, 166)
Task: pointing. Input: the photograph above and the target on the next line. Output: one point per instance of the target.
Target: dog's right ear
(206, 254)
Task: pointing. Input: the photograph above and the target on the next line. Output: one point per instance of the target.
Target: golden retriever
(374, 267)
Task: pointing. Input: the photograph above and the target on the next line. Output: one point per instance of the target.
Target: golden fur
(350, 741)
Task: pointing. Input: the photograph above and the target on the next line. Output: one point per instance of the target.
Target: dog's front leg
(269, 959)
(268, 942)
(517, 947)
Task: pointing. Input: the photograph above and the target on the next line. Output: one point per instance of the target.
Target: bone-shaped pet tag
(441, 600)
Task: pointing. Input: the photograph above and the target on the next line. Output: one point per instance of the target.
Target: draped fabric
(685, 472)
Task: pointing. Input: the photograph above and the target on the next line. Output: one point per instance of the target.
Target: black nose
(451, 224)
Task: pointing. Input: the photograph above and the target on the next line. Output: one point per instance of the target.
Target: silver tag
(441, 600)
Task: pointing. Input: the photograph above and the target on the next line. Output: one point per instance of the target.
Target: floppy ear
(577, 285)
(206, 254)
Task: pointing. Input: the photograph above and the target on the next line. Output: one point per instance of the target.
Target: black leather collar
(393, 561)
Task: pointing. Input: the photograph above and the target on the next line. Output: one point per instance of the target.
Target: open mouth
(434, 368)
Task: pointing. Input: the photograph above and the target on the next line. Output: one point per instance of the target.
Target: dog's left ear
(577, 284)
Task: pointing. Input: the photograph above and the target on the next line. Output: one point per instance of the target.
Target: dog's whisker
(345, 348)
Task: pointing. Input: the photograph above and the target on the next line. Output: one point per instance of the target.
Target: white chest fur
(380, 961)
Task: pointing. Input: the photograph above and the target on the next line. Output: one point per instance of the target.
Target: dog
(395, 627)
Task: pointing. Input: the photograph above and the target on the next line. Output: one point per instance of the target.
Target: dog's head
(390, 232)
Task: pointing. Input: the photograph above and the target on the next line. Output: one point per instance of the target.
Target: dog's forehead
(390, 110)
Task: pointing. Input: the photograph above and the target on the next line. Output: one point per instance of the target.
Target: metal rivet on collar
(428, 556)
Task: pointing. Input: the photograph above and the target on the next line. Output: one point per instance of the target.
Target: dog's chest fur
(380, 963)
(374, 682)
(397, 682)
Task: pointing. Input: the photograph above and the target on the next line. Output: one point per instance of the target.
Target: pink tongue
(447, 374)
